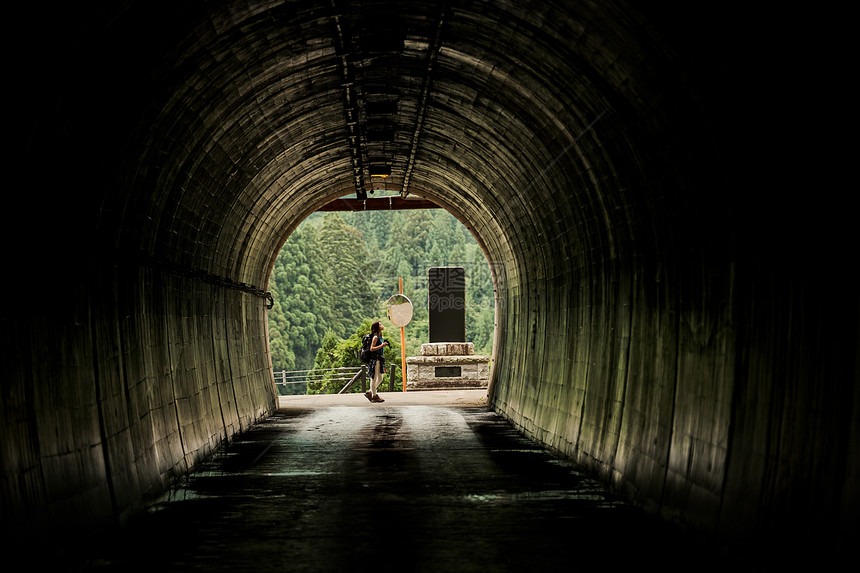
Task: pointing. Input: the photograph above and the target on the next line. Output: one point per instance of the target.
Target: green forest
(334, 274)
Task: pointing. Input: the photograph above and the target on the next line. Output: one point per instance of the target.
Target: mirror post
(400, 313)
(402, 347)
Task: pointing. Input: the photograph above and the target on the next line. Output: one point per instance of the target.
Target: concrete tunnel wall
(646, 329)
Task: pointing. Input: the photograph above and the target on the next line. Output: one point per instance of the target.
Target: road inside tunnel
(410, 487)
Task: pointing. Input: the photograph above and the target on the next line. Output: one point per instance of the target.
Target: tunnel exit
(344, 262)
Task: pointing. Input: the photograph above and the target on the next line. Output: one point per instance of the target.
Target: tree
(344, 252)
(299, 316)
(480, 303)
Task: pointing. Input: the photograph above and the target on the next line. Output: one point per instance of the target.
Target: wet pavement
(437, 483)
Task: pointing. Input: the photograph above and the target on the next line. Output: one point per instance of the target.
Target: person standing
(376, 365)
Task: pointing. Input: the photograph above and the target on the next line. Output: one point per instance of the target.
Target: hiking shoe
(368, 395)
(377, 399)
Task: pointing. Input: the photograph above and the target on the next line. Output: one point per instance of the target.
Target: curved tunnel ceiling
(224, 124)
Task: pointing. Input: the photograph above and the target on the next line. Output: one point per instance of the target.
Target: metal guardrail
(348, 374)
(285, 377)
(299, 376)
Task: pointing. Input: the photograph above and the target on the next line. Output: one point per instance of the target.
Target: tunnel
(670, 316)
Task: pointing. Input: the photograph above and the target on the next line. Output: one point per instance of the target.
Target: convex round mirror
(399, 310)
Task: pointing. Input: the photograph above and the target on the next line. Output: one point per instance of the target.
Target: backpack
(364, 353)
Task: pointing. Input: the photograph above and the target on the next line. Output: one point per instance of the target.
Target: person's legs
(375, 381)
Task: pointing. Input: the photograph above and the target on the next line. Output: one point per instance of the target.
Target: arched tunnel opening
(337, 274)
(667, 318)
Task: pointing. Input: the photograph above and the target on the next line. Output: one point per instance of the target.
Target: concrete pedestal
(447, 366)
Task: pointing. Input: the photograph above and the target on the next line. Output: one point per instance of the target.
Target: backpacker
(364, 354)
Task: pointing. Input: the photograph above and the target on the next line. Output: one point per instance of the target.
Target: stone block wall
(447, 366)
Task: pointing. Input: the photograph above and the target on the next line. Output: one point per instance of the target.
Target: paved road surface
(424, 482)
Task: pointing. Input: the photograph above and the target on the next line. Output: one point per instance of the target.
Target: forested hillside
(336, 271)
